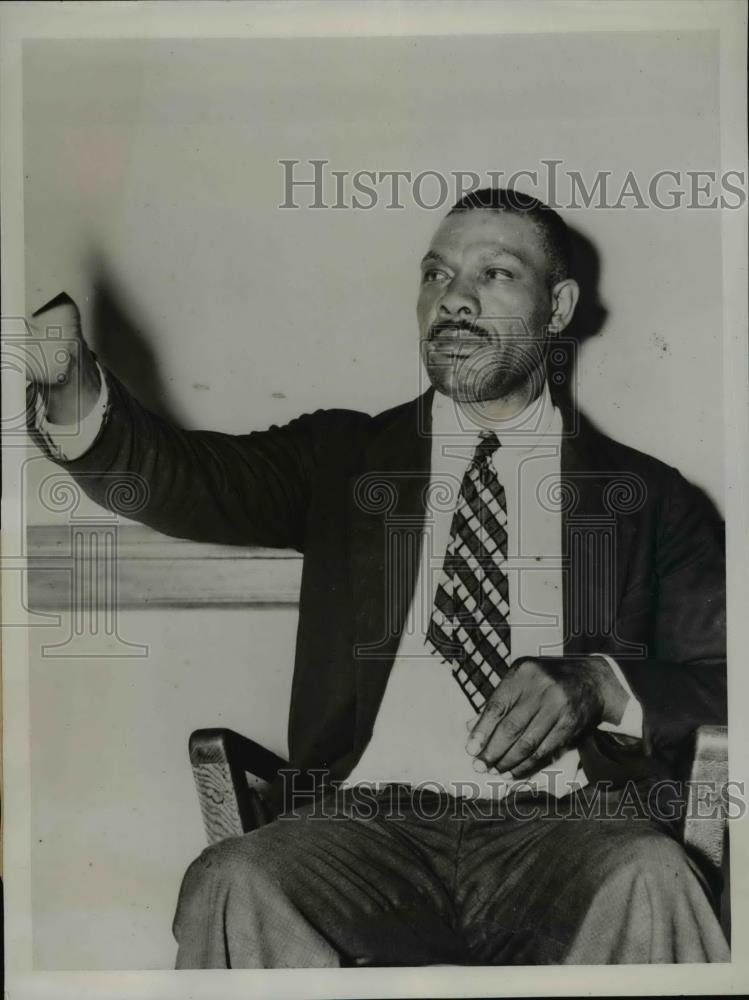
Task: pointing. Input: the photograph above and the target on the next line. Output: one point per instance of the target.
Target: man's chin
(523, 387)
(460, 391)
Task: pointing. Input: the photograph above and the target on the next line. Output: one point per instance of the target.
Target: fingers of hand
(513, 738)
(53, 338)
(502, 701)
(545, 732)
(532, 750)
(504, 720)
(526, 719)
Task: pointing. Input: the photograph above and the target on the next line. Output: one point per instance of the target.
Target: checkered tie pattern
(469, 626)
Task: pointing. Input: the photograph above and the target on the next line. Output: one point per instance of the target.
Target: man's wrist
(67, 442)
(614, 697)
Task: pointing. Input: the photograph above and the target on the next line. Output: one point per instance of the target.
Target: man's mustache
(457, 327)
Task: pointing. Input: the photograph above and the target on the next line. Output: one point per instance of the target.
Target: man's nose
(459, 302)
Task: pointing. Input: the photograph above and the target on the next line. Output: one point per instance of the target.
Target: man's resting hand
(540, 708)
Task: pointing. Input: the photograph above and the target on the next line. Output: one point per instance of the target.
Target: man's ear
(564, 296)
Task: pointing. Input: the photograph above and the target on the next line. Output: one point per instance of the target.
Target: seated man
(492, 591)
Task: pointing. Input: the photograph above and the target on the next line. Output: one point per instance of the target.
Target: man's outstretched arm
(248, 489)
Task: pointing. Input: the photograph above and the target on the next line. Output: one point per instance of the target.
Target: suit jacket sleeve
(682, 682)
(251, 489)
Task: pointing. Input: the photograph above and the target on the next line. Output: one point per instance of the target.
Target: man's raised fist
(58, 358)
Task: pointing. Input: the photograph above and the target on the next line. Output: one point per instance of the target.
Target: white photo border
(97, 20)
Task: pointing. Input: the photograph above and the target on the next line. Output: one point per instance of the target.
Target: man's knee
(650, 860)
(645, 902)
(238, 907)
(253, 860)
(236, 874)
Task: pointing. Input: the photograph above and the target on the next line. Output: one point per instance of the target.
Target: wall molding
(109, 564)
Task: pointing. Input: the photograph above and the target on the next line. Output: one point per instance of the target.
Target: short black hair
(552, 227)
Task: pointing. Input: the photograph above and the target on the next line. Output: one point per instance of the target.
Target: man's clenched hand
(540, 708)
(59, 361)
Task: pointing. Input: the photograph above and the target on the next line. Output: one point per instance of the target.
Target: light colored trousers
(425, 882)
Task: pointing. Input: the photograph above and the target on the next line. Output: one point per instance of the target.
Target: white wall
(115, 815)
(152, 171)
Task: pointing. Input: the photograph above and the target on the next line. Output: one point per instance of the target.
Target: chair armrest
(705, 821)
(221, 762)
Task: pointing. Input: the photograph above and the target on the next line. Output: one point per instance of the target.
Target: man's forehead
(482, 228)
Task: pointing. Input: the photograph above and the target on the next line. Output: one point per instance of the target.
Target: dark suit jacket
(643, 550)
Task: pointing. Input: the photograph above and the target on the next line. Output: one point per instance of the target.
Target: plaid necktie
(470, 625)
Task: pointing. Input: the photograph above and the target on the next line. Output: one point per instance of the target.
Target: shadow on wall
(588, 321)
(123, 346)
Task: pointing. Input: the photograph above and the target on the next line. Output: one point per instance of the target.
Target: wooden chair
(232, 775)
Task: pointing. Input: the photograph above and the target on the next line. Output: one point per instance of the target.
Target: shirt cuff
(630, 723)
(66, 442)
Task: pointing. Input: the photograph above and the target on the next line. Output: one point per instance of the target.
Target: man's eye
(433, 274)
(494, 273)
